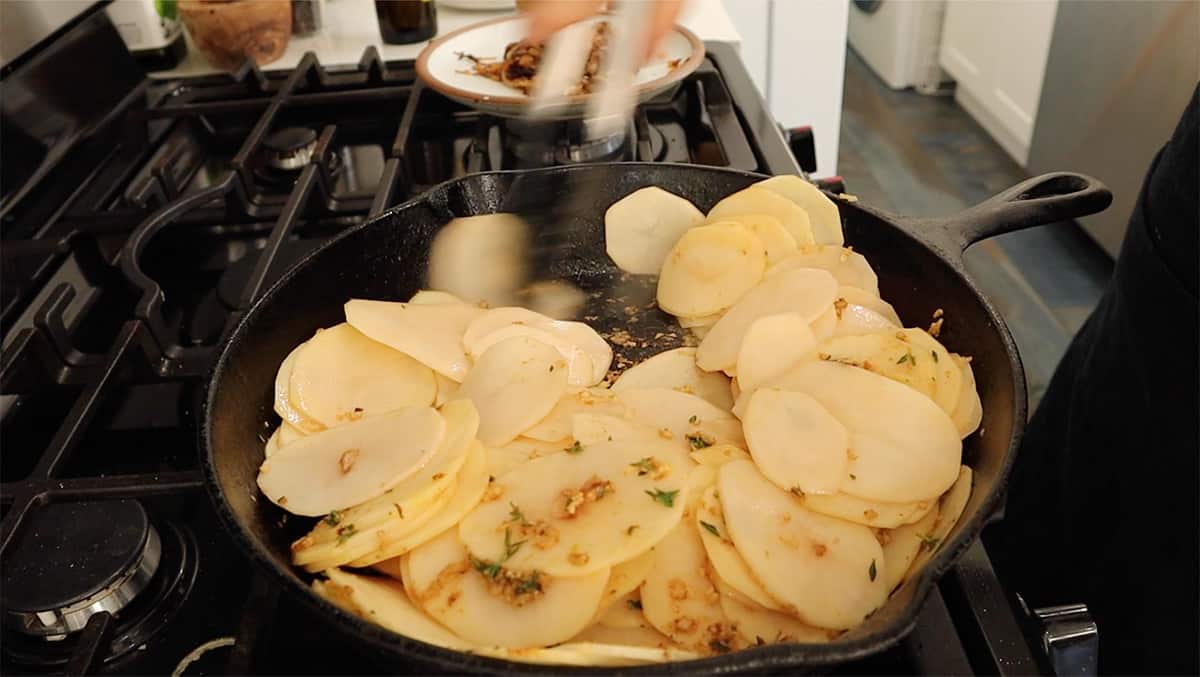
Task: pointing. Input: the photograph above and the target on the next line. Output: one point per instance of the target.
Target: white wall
(796, 53)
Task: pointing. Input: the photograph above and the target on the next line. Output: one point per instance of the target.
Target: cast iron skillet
(919, 262)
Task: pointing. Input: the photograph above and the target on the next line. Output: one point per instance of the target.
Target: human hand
(546, 17)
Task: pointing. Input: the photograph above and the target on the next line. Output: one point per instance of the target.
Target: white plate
(440, 67)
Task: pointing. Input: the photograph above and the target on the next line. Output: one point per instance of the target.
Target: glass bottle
(403, 22)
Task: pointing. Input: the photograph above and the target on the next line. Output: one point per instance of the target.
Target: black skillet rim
(752, 659)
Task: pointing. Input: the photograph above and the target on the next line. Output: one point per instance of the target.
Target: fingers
(662, 21)
(548, 16)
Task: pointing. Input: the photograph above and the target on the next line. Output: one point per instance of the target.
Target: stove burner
(75, 560)
(290, 148)
(543, 144)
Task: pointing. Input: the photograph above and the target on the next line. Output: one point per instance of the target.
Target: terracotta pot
(229, 31)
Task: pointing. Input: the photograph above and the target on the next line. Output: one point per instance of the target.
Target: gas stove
(141, 219)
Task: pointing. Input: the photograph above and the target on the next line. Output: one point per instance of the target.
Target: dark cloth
(1102, 506)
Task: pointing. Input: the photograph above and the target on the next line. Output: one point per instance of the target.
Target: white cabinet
(795, 51)
(996, 50)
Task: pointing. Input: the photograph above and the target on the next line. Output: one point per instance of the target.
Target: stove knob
(1070, 638)
(804, 148)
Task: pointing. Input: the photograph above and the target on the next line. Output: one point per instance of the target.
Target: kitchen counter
(350, 25)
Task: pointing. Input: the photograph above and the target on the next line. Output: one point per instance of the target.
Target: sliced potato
(887, 353)
(709, 269)
(771, 345)
(680, 600)
(756, 200)
(676, 369)
(431, 297)
(847, 266)
(513, 386)
(626, 612)
(807, 292)
(569, 337)
(776, 239)
(690, 420)
(878, 514)
(625, 579)
(902, 446)
(557, 299)
(348, 535)
(384, 602)
(592, 654)
(289, 433)
(558, 423)
(870, 301)
(595, 428)
(273, 444)
(587, 510)
(795, 441)
(968, 412)
(579, 365)
(353, 463)
(431, 334)
(642, 635)
(699, 322)
(948, 376)
(825, 324)
(283, 405)
(726, 562)
(759, 625)
(470, 483)
(823, 570)
(446, 387)
(641, 228)
(902, 545)
(340, 375)
(458, 594)
(499, 241)
(824, 218)
(717, 454)
(854, 320)
(501, 460)
(950, 508)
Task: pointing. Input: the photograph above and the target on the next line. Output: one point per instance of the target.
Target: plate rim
(441, 86)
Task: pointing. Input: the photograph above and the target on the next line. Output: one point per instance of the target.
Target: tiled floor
(922, 156)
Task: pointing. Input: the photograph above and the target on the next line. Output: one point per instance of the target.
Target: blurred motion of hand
(548, 16)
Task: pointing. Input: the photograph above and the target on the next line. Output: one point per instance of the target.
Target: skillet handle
(1043, 199)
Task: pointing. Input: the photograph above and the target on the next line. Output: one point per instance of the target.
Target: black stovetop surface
(141, 218)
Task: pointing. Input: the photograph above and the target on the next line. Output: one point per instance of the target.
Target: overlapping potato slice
(504, 606)
(624, 580)
(340, 375)
(903, 447)
(847, 266)
(446, 387)
(825, 570)
(470, 484)
(771, 345)
(501, 460)
(824, 218)
(795, 441)
(902, 545)
(949, 509)
(777, 240)
(689, 419)
(807, 292)
(700, 322)
(350, 534)
(642, 635)
(968, 411)
(681, 601)
(513, 386)
(626, 612)
(676, 369)
(431, 297)
(579, 364)
(480, 258)
(641, 228)
(283, 405)
(758, 625)
(569, 338)
(727, 564)
(908, 356)
(709, 269)
(558, 423)
(877, 514)
(757, 200)
(870, 301)
(344, 466)
(718, 454)
(587, 429)
(383, 601)
(431, 334)
(585, 510)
